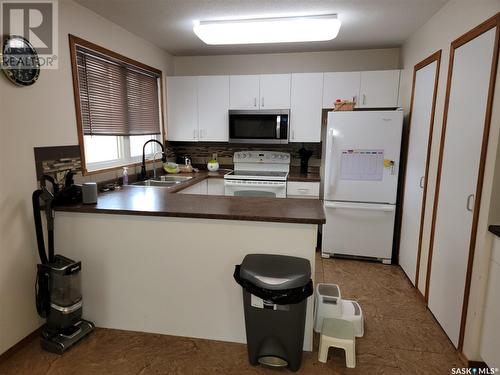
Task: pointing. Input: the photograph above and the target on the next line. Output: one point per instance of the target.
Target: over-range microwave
(259, 126)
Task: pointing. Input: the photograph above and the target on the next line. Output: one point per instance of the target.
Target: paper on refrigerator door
(362, 165)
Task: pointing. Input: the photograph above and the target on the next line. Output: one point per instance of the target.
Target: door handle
(469, 200)
(293, 134)
(421, 183)
(278, 127)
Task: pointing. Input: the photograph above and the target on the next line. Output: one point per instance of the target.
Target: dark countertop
(160, 201)
(495, 229)
(304, 177)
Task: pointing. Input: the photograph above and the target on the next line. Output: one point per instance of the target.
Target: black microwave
(269, 126)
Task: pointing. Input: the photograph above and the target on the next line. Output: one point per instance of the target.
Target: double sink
(163, 181)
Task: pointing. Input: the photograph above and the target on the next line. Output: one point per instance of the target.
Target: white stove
(258, 173)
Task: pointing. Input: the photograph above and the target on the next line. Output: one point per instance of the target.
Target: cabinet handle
(255, 102)
(364, 99)
(469, 200)
(354, 99)
(293, 134)
(194, 133)
(421, 183)
(262, 102)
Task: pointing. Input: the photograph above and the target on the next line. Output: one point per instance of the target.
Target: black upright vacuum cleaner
(58, 282)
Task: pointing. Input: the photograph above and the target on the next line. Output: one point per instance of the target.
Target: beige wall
(373, 59)
(43, 115)
(453, 20)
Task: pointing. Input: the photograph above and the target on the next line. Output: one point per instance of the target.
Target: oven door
(254, 188)
(258, 126)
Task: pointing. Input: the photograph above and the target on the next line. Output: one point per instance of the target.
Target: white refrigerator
(360, 183)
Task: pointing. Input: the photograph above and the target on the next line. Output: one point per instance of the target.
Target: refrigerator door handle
(330, 172)
(361, 206)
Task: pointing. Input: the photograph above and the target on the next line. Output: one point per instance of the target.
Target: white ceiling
(365, 23)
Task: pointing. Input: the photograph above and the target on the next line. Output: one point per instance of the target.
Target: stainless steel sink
(175, 178)
(164, 181)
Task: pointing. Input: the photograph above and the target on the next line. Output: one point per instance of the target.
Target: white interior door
(362, 131)
(423, 98)
(459, 175)
(213, 105)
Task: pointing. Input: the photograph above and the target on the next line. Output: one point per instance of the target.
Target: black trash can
(275, 291)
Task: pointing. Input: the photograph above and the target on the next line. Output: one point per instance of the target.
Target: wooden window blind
(116, 97)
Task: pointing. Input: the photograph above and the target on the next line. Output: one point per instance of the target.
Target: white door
(274, 91)
(459, 176)
(213, 105)
(418, 144)
(182, 115)
(379, 89)
(305, 109)
(340, 85)
(244, 92)
(359, 229)
(356, 146)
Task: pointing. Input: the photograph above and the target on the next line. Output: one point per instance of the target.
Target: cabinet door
(181, 109)
(199, 188)
(215, 186)
(379, 89)
(213, 105)
(244, 92)
(341, 85)
(274, 91)
(305, 109)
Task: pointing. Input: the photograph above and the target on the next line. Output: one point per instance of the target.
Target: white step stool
(327, 304)
(352, 312)
(338, 333)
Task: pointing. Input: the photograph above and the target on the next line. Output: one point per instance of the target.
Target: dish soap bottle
(125, 176)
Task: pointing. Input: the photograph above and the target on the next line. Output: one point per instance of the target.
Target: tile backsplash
(57, 160)
(201, 152)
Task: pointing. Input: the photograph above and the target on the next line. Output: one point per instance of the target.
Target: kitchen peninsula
(158, 261)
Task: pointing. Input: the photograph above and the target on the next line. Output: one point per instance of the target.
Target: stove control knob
(286, 157)
(243, 156)
(273, 156)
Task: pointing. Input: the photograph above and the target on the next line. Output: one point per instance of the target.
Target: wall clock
(20, 61)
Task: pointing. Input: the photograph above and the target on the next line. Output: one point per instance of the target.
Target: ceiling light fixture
(268, 30)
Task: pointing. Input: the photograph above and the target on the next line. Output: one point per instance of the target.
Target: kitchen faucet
(142, 175)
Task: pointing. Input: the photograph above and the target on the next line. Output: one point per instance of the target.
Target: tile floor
(401, 337)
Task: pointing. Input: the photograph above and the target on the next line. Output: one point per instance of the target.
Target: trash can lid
(275, 272)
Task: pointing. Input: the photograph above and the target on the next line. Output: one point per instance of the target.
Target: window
(118, 106)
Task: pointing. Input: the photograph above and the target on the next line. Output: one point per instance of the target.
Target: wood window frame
(75, 41)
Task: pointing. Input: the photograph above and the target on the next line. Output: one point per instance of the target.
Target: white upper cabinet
(244, 92)
(182, 123)
(274, 91)
(340, 85)
(305, 109)
(379, 89)
(213, 104)
(266, 91)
